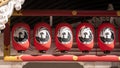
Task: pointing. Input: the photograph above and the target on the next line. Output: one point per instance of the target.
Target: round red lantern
(42, 36)
(106, 37)
(21, 36)
(85, 36)
(63, 37)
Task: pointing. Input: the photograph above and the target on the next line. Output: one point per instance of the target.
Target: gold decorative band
(75, 58)
(74, 12)
(119, 58)
(118, 13)
(12, 58)
(17, 13)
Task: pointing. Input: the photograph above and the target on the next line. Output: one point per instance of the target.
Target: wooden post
(7, 39)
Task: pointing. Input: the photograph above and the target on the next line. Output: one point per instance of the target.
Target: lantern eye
(42, 35)
(21, 35)
(107, 35)
(64, 35)
(85, 35)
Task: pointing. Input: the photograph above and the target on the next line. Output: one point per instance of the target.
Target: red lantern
(106, 37)
(63, 37)
(42, 36)
(85, 36)
(21, 36)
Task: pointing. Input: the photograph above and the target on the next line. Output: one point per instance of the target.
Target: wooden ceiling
(71, 4)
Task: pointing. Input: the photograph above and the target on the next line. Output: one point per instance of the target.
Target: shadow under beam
(52, 65)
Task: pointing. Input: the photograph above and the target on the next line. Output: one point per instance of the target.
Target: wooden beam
(7, 40)
(87, 58)
(66, 13)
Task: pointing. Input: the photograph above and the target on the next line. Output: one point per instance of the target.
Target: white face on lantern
(20, 35)
(107, 35)
(85, 35)
(42, 35)
(64, 35)
(6, 10)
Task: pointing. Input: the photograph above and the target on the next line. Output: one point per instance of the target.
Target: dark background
(71, 4)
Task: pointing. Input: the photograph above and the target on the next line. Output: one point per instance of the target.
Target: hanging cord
(112, 19)
(96, 21)
(116, 22)
(63, 18)
(42, 18)
(51, 20)
(84, 19)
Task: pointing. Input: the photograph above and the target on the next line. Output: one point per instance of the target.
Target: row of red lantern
(63, 36)
(106, 37)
